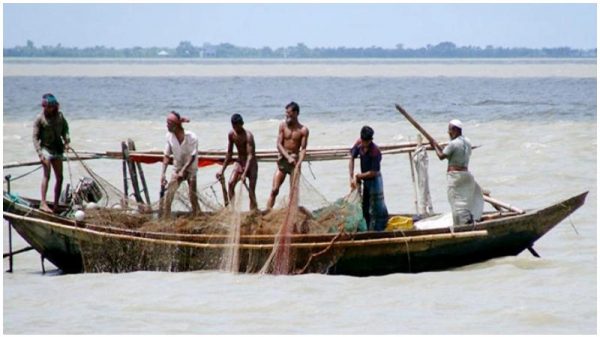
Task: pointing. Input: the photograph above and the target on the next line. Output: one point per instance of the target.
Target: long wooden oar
(437, 146)
(431, 140)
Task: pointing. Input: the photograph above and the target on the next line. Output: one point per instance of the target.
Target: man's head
(366, 135)
(292, 110)
(49, 103)
(237, 122)
(174, 121)
(454, 128)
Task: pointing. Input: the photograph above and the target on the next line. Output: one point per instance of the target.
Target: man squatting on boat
(183, 145)
(464, 194)
(51, 139)
(291, 144)
(246, 165)
(373, 204)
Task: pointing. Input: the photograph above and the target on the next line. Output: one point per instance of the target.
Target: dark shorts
(284, 166)
(252, 170)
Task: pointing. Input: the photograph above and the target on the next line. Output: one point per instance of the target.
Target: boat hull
(74, 247)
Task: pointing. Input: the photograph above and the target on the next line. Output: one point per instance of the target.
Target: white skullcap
(456, 123)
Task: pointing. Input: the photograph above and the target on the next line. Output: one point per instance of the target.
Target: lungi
(374, 210)
(465, 197)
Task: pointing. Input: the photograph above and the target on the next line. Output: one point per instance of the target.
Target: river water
(535, 122)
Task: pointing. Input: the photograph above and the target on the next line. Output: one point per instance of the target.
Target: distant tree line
(186, 49)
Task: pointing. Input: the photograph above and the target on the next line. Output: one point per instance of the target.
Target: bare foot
(44, 207)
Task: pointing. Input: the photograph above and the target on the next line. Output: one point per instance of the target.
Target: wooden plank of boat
(354, 243)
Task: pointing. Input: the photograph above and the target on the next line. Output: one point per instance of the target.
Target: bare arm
(250, 153)
(65, 132)
(37, 137)
(351, 167)
(351, 171)
(438, 150)
(303, 144)
(367, 175)
(227, 156)
(166, 160)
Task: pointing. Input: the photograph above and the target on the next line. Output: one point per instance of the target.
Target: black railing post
(10, 252)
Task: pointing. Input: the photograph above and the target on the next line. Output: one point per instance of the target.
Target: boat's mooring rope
(26, 174)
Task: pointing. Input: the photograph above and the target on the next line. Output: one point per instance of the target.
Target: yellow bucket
(399, 223)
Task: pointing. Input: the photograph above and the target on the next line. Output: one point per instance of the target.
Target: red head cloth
(175, 118)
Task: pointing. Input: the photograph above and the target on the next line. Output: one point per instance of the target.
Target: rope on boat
(323, 251)
(26, 174)
(87, 169)
(311, 171)
(70, 173)
(572, 225)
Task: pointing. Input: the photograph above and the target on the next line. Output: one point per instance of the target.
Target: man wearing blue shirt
(373, 203)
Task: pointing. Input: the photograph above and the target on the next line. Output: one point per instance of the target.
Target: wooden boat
(70, 245)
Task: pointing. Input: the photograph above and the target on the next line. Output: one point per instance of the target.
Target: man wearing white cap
(464, 194)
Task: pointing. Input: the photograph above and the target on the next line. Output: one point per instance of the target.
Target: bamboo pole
(133, 176)
(214, 154)
(13, 253)
(34, 163)
(141, 172)
(414, 183)
(125, 185)
(502, 204)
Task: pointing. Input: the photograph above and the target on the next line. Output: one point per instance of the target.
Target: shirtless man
(245, 164)
(291, 144)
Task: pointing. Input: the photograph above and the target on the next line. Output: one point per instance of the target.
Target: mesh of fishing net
(226, 238)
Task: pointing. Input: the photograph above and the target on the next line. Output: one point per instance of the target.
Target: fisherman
(291, 145)
(183, 145)
(373, 203)
(464, 194)
(51, 139)
(245, 164)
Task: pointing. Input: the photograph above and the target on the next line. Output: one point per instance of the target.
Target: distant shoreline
(186, 50)
(573, 68)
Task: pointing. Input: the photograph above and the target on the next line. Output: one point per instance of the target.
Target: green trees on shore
(186, 49)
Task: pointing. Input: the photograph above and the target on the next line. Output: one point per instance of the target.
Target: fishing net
(219, 237)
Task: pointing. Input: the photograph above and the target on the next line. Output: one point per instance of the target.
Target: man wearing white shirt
(183, 146)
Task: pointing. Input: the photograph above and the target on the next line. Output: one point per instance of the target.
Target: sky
(316, 25)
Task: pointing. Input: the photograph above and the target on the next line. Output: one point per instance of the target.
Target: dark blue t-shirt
(370, 160)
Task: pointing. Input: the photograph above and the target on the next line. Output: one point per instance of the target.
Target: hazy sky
(316, 25)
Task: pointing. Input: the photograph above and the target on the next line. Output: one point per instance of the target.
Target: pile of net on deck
(214, 218)
(307, 213)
